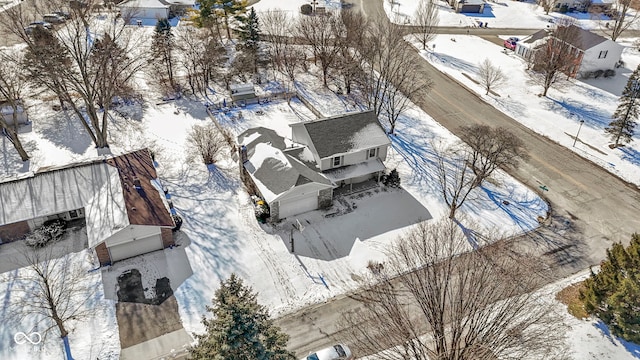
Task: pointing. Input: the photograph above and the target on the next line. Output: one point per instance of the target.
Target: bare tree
(426, 18)
(389, 73)
(546, 5)
(490, 149)
(451, 303)
(324, 34)
(490, 75)
(455, 177)
(53, 289)
(620, 18)
(206, 141)
(276, 26)
(12, 82)
(199, 54)
(95, 63)
(556, 55)
(349, 62)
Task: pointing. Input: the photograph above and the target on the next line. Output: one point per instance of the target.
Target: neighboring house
(592, 6)
(144, 9)
(592, 52)
(125, 210)
(337, 151)
(6, 111)
(468, 6)
(243, 93)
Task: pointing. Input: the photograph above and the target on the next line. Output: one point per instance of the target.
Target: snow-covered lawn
(559, 114)
(498, 14)
(220, 234)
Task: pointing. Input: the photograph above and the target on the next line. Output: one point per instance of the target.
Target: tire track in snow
(268, 257)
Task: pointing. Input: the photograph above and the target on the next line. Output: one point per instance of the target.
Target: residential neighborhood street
(601, 207)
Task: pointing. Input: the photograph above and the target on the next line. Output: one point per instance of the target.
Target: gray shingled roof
(578, 37)
(540, 34)
(584, 39)
(346, 133)
(273, 173)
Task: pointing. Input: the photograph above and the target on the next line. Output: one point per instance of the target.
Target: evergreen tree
(249, 33)
(249, 29)
(229, 9)
(239, 328)
(624, 118)
(162, 57)
(613, 294)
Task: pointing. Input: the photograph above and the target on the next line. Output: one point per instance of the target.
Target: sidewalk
(168, 346)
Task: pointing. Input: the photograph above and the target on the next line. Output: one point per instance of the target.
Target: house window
(336, 161)
(603, 54)
(372, 153)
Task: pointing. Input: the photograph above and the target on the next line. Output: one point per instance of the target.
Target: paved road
(596, 206)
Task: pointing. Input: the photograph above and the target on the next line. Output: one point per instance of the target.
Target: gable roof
(345, 133)
(272, 168)
(149, 4)
(540, 34)
(583, 39)
(97, 186)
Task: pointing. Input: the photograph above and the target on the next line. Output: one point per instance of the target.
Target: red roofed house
(125, 209)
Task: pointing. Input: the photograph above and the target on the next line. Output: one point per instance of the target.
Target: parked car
(41, 24)
(62, 14)
(44, 24)
(511, 42)
(54, 18)
(335, 352)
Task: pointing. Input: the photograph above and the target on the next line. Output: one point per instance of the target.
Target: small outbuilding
(243, 92)
(144, 9)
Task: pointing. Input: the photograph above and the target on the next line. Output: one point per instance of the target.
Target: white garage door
(298, 206)
(136, 247)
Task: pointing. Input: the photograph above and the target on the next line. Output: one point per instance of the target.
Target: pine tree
(613, 294)
(231, 8)
(624, 118)
(239, 328)
(249, 33)
(162, 57)
(249, 29)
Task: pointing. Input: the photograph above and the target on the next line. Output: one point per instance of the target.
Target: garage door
(298, 206)
(136, 247)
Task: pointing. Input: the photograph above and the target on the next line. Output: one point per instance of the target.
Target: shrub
(392, 180)
(613, 294)
(598, 73)
(306, 9)
(609, 73)
(50, 231)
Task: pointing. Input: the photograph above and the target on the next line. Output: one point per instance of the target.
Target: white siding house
(144, 9)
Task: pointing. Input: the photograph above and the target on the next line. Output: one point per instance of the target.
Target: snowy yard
(556, 116)
(220, 234)
(498, 14)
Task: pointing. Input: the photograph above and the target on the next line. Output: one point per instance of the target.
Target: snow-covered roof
(272, 169)
(104, 188)
(345, 133)
(152, 4)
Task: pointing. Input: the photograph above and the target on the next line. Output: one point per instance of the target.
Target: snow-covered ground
(559, 114)
(220, 234)
(498, 14)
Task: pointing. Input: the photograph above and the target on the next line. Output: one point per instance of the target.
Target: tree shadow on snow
(632, 349)
(63, 129)
(592, 115)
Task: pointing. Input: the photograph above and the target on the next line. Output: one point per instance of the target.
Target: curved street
(599, 207)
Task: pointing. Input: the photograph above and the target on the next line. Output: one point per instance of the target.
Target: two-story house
(299, 175)
(592, 52)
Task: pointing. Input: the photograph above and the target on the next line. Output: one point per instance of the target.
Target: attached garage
(144, 9)
(298, 205)
(135, 248)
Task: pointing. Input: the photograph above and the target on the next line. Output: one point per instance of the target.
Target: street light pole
(578, 134)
